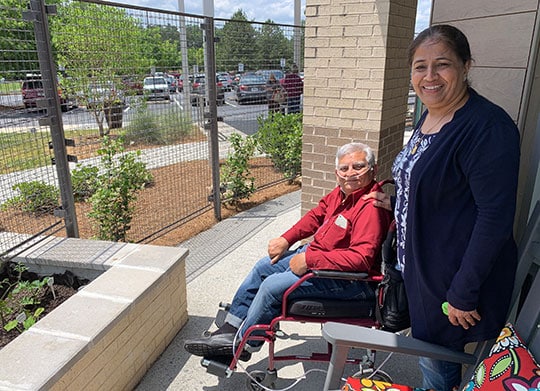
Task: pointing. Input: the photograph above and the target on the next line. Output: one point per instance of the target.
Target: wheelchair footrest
(217, 367)
(220, 318)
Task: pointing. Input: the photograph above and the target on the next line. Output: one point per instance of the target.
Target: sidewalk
(219, 259)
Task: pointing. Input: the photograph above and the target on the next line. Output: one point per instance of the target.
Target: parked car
(171, 81)
(132, 86)
(100, 93)
(226, 81)
(156, 87)
(180, 83)
(251, 87)
(32, 90)
(198, 90)
(278, 73)
(236, 79)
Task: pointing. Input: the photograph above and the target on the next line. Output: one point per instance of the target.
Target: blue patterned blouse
(401, 171)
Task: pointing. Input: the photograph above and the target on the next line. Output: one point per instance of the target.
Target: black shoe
(214, 345)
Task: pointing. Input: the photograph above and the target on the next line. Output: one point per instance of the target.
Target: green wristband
(444, 307)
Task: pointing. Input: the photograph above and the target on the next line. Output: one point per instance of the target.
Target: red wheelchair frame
(297, 310)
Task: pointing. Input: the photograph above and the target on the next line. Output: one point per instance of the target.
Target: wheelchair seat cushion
(331, 308)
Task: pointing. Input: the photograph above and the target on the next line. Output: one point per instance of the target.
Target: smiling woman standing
(456, 183)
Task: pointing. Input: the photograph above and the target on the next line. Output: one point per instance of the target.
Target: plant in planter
(26, 297)
(113, 109)
(20, 300)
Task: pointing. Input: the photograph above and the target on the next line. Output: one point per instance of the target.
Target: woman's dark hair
(451, 36)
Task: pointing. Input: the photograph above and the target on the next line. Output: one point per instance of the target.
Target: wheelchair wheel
(259, 378)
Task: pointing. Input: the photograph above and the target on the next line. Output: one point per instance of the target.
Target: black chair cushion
(327, 308)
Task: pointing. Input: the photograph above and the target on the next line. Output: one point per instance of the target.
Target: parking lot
(14, 117)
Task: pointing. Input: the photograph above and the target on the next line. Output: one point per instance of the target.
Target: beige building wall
(504, 42)
(356, 84)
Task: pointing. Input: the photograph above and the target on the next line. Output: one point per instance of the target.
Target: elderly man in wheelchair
(346, 234)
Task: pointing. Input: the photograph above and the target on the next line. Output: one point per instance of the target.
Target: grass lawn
(10, 87)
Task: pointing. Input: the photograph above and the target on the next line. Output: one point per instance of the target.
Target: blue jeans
(293, 104)
(440, 375)
(258, 299)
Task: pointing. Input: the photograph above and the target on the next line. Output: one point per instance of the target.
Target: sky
(279, 11)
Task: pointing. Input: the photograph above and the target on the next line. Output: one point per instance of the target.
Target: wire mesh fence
(25, 154)
(135, 73)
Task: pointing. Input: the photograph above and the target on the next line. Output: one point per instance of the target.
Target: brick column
(356, 84)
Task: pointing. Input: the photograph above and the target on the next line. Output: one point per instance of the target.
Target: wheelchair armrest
(340, 275)
(339, 334)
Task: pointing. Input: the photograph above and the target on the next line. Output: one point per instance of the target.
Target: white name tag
(341, 222)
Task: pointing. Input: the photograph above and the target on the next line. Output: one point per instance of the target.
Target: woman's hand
(380, 200)
(461, 318)
(276, 248)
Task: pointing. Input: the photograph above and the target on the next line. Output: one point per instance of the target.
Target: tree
(194, 36)
(273, 45)
(196, 57)
(170, 33)
(238, 44)
(163, 47)
(18, 53)
(97, 45)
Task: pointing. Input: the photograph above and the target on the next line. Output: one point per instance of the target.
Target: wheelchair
(308, 310)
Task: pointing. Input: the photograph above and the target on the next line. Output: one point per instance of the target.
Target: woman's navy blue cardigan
(459, 244)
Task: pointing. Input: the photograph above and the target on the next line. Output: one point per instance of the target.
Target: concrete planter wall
(107, 335)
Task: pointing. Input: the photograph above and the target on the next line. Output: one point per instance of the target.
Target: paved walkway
(218, 261)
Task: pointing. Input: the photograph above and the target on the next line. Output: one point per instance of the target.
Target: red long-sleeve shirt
(293, 84)
(347, 232)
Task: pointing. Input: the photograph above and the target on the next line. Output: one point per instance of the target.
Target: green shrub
(84, 180)
(34, 197)
(235, 179)
(280, 137)
(121, 178)
(158, 128)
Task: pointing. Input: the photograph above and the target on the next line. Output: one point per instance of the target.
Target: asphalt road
(15, 118)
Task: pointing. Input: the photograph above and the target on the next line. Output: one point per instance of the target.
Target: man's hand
(380, 200)
(461, 318)
(298, 264)
(276, 248)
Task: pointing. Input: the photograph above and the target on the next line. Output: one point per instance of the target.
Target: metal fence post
(210, 117)
(38, 15)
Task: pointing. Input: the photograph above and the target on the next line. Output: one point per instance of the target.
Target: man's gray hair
(347, 149)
